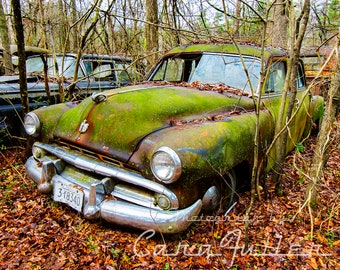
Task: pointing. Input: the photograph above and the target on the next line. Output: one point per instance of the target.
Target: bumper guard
(98, 203)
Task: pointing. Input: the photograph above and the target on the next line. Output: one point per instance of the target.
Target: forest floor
(37, 233)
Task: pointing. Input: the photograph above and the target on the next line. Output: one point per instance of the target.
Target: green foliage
(334, 13)
(3, 136)
(166, 267)
(114, 252)
(300, 147)
(330, 236)
(302, 180)
(53, 204)
(91, 244)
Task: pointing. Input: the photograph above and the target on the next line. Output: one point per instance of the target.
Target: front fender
(210, 148)
(49, 117)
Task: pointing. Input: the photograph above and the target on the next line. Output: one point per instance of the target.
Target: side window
(88, 66)
(69, 67)
(300, 80)
(171, 70)
(69, 72)
(122, 72)
(159, 76)
(104, 71)
(190, 66)
(175, 70)
(34, 64)
(276, 77)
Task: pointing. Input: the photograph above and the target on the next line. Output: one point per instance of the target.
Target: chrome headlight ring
(32, 124)
(166, 165)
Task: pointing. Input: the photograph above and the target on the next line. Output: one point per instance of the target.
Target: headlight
(166, 165)
(32, 124)
(37, 152)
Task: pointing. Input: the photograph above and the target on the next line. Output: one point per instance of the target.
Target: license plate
(69, 195)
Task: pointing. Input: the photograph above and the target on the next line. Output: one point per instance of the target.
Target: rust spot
(216, 117)
(204, 134)
(77, 187)
(110, 197)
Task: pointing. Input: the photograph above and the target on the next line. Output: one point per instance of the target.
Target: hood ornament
(98, 97)
(83, 126)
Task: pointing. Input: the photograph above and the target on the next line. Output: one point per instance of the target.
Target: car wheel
(220, 196)
(229, 189)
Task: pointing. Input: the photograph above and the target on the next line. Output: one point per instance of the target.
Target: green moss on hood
(118, 124)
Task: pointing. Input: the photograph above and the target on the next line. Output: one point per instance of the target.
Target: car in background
(316, 62)
(50, 75)
(155, 155)
(29, 50)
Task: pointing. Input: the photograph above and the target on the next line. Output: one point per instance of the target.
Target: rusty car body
(319, 63)
(157, 154)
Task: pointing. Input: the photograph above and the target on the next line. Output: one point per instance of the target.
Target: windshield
(211, 69)
(36, 65)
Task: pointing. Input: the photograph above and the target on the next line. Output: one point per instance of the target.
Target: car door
(272, 99)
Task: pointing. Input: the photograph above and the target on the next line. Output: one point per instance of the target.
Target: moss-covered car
(157, 154)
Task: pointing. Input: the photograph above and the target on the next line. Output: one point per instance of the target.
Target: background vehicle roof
(14, 49)
(106, 57)
(96, 56)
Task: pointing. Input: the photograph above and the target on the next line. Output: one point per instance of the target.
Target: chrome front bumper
(110, 192)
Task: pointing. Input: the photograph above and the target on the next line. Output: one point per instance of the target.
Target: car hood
(116, 123)
(10, 85)
(15, 79)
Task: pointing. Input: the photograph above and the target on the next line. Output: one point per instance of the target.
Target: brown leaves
(215, 117)
(37, 233)
(217, 87)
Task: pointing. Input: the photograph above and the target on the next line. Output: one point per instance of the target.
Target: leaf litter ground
(37, 233)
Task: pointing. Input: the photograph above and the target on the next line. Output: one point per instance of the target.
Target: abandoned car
(49, 75)
(157, 154)
(319, 66)
(29, 51)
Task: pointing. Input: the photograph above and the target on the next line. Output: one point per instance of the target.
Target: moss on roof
(229, 48)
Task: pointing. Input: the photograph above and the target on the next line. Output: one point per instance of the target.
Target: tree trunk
(320, 154)
(278, 36)
(151, 31)
(82, 44)
(237, 15)
(297, 29)
(6, 43)
(63, 42)
(75, 34)
(21, 54)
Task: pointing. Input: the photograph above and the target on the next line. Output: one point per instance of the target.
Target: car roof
(106, 57)
(249, 50)
(33, 49)
(316, 51)
(97, 57)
